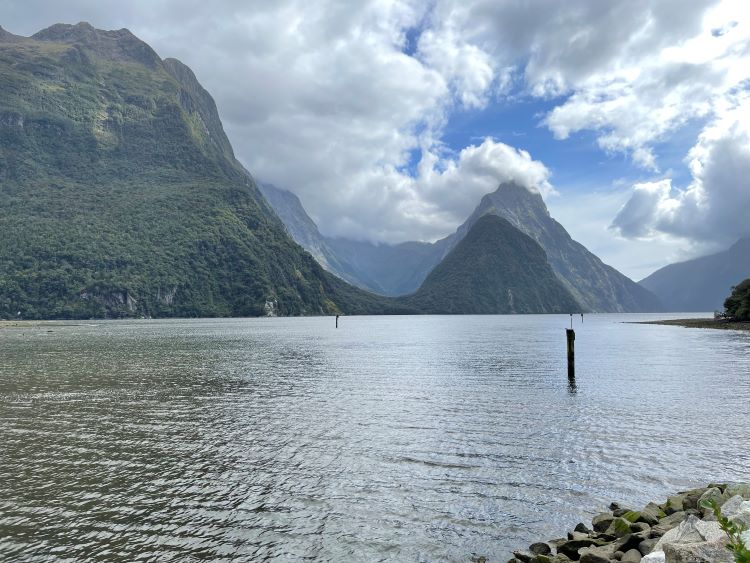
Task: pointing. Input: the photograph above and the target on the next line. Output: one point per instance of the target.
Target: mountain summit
(401, 269)
(595, 285)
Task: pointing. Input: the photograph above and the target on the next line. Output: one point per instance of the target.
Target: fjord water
(391, 438)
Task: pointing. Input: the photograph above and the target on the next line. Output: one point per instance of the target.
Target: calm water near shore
(391, 438)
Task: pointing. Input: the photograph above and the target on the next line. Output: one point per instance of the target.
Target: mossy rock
(618, 528)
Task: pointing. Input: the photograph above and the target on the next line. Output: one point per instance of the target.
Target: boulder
(581, 527)
(559, 558)
(523, 556)
(603, 554)
(674, 504)
(691, 530)
(629, 541)
(570, 548)
(620, 512)
(640, 527)
(732, 506)
(655, 557)
(742, 518)
(712, 493)
(632, 556)
(690, 498)
(601, 522)
(647, 546)
(540, 548)
(699, 552)
(667, 523)
(651, 514)
(618, 527)
(742, 489)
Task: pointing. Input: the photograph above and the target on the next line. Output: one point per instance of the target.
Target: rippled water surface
(391, 438)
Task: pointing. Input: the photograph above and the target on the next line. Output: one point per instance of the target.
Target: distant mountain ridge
(701, 284)
(401, 269)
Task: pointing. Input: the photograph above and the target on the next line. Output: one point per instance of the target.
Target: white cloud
(338, 100)
(715, 207)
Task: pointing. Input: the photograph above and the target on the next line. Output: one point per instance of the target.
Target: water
(391, 438)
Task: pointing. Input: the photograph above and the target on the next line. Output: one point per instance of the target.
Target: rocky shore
(702, 323)
(680, 530)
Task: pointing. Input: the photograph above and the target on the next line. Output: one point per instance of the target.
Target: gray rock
(732, 506)
(523, 556)
(601, 554)
(620, 512)
(651, 514)
(640, 527)
(690, 498)
(581, 527)
(674, 504)
(712, 493)
(601, 522)
(742, 489)
(647, 546)
(701, 552)
(540, 548)
(667, 523)
(570, 548)
(655, 557)
(632, 556)
(630, 541)
(742, 517)
(691, 530)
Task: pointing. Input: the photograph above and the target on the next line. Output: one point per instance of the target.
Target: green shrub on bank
(734, 531)
(737, 305)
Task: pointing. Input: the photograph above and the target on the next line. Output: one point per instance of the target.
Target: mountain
(121, 195)
(494, 268)
(701, 284)
(382, 268)
(400, 269)
(595, 285)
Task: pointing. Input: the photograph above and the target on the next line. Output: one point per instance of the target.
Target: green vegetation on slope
(737, 305)
(494, 269)
(120, 194)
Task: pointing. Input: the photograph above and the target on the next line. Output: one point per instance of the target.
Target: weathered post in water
(337, 321)
(571, 334)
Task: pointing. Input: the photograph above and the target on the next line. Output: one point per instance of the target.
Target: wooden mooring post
(337, 321)
(571, 334)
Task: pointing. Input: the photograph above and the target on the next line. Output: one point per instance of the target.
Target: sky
(390, 119)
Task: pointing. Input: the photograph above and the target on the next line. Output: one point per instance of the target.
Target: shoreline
(720, 324)
(680, 529)
(37, 324)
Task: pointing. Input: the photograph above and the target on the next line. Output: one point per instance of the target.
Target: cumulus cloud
(347, 103)
(715, 207)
